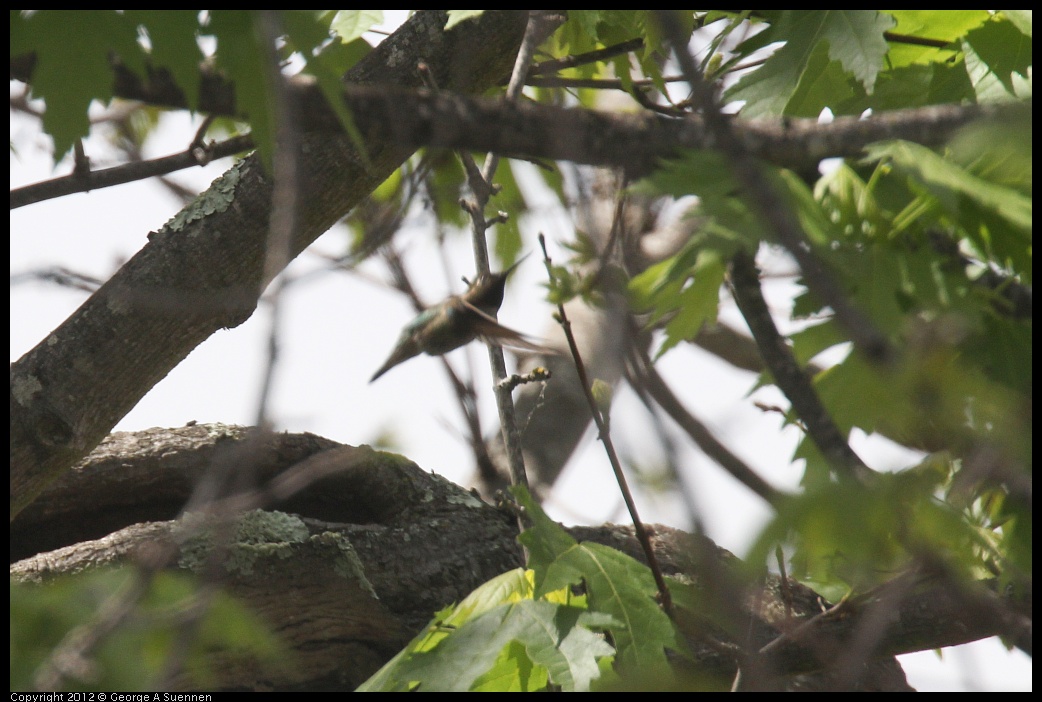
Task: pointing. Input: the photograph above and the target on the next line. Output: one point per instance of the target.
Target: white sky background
(337, 328)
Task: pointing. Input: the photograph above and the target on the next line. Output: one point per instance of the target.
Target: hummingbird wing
(489, 329)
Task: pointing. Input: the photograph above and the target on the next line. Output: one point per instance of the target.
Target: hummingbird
(457, 321)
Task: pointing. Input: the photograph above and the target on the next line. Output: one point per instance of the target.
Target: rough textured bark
(378, 545)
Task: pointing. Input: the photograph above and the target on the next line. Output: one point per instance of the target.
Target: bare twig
(482, 189)
(283, 216)
(59, 275)
(605, 436)
(595, 83)
(76, 182)
(650, 380)
(538, 375)
(71, 657)
(544, 67)
(481, 186)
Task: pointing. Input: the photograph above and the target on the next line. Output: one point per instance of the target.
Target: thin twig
(536, 375)
(59, 275)
(605, 436)
(595, 83)
(277, 252)
(127, 173)
(285, 196)
(71, 657)
(482, 189)
(783, 582)
(700, 434)
(607, 52)
(684, 488)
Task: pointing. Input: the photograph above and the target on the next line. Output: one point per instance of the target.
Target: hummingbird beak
(403, 352)
(383, 369)
(517, 263)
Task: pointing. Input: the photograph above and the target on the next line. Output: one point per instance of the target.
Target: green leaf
(135, 655)
(513, 671)
(933, 398)
(851, 203)
(704, 173)
(511, 200)
(998, 216)
(306, 30)
(943, 25)
(822, 85)
(445, 186)
(511, 586)
(546, 540)
(173, 36)
(811, 341)
(851, 537)
(458, 16)
(69, 86)
(996, 53)
(616, 585)
(327, 61)
(698, 304)
(556, 638)
(854, 39)
(352, 24)
(856, 395)
(1021, 19)
(1003, 351)
(240, 56)
(912, 86)
(621, 587)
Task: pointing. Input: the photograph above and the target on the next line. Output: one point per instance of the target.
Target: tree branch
(409, 532)
(649, 379)
(634, 142)
(81, 182)
(789, 377)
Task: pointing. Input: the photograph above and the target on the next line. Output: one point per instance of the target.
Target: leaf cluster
(582, 614)
(180, 42)
(933, 246)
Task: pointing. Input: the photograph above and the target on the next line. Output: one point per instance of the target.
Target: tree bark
(370, 546)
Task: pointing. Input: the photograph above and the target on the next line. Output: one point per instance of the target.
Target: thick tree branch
(634, 142)
(420, 543)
